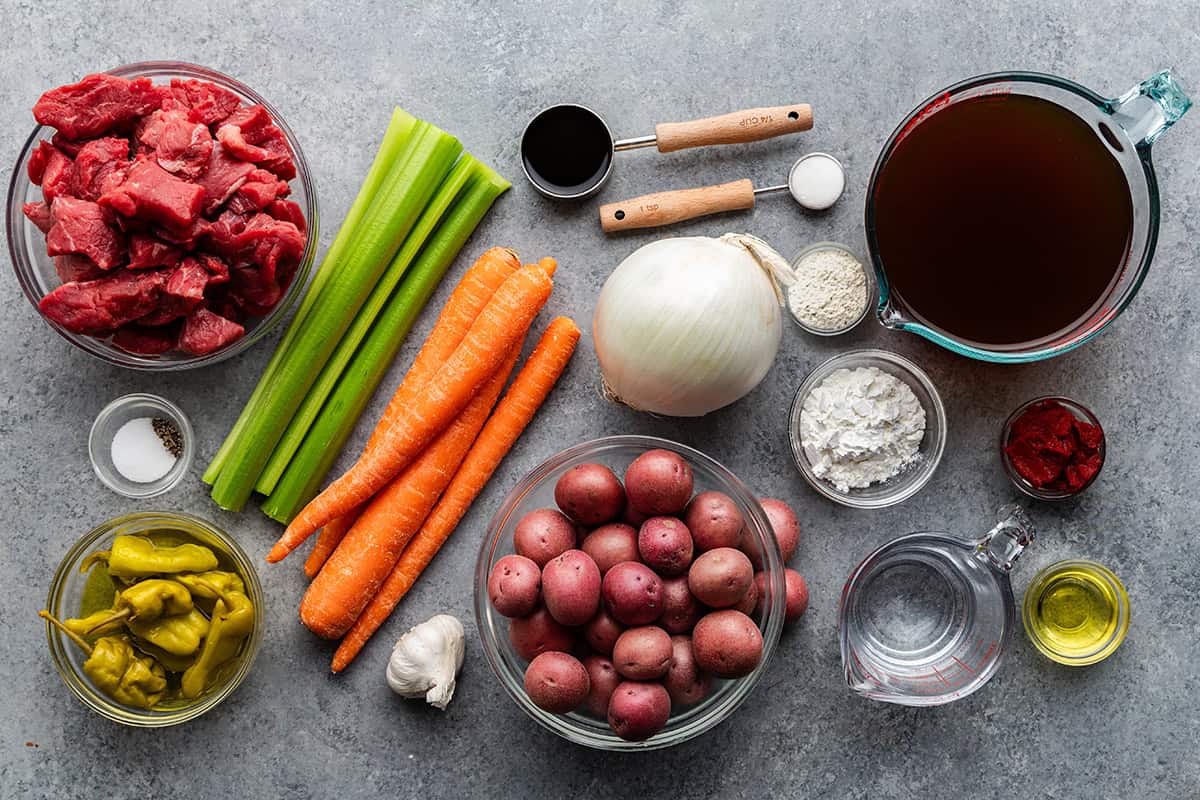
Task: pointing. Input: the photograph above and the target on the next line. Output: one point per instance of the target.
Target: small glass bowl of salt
(831, 290)
(141, 445)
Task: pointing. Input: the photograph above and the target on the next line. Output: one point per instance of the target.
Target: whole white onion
(685, 326)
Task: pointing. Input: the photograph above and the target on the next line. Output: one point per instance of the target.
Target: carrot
(512, 415)
(359, 565)
(427, 409)
(327, 541)
(478, 285)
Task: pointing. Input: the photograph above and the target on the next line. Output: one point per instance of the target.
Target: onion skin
(685, 326)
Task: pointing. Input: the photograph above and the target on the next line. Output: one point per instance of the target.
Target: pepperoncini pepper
(207, 587)
(232, 622)
(139, 557)
(170, 661)
(118, 669)
(147, 601)
(179, 635)
(98, 623)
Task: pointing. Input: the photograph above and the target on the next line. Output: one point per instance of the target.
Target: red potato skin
(515, 586)
(796, 595)
(601, 632)
(590, 494)
(749, 601)
(684, 681)
(571, 588)
(538, 633)
(714, 520)
(720, 578)
(680, 607)
(543, 534)
(643, 653)
(665, 544)
(631, 516)
(611, 544)
(727, 643)
(557, 682)
(604, 679)
(632, 593)
(659, 483)
(638, 710)
(786, 526)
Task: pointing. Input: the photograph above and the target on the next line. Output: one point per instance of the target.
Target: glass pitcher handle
(1149, 108)
(1002, 545)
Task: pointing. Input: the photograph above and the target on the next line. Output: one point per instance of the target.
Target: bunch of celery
(417, 207)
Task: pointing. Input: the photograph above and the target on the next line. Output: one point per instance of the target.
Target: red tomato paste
(1053, 449)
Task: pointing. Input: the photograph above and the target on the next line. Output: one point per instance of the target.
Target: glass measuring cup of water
(925, 619)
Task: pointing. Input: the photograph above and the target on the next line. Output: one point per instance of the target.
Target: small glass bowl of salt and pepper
(141, 445)
(831, 292)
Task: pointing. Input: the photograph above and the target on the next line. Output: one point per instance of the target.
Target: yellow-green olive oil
(1076, 612)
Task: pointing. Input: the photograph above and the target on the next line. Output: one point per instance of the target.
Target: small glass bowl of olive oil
(1076, 612)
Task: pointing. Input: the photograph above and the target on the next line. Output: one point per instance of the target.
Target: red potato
(786, 526)
(557, 682)
(590, 494)
(633, 593)
(727, 643)
(601, 632)
(604, 679)
(659, 483)
(720, 578)
(638, 710)
(680, 608)
(643, 653)
(796, 594)
(631, 516)
(611, 544)
(665, 544)
(515, 586)
(543, 534)
(539, 633)
(714, 520)
(684, 682)
(571, 587)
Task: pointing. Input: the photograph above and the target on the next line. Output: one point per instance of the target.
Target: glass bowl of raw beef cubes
(161, 215)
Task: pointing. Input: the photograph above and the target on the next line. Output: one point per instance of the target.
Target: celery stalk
(429, 155)
(399, 129)
(328, 434)
(304, 416)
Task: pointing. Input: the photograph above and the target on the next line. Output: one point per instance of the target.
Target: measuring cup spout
(1149, 108)
(1002, 545)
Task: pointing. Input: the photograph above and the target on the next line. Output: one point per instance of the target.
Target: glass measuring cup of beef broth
(1011, 217)
(925, 619)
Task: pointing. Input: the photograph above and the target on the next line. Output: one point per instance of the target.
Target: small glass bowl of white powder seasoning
(141, 445)
(867, 429)
(831, 289)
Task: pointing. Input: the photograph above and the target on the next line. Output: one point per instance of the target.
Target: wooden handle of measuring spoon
(750, 125)
(665, 208)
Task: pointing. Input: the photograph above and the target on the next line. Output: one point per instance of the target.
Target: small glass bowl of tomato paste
(1052, 448)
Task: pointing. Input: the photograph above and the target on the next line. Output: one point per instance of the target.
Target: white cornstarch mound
(830, 290)
(861, 426)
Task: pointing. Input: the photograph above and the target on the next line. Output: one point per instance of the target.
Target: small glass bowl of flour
(830, 290)
(141, 445)
(867, 429)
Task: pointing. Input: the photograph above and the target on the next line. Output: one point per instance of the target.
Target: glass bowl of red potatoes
(631, 590)
(228, 320)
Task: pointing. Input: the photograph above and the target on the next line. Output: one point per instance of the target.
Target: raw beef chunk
(80, 228)
(76, 268)
(97, 104)
(134, 338)
(183, 146)
(151, 193)
(101, 166)
(101, 306)
(205, 332)
(40, 215)
(147, 252)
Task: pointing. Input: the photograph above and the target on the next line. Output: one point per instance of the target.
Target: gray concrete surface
(1124, 729)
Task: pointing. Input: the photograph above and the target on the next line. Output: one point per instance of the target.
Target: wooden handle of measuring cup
(664, 208)
(750, 125)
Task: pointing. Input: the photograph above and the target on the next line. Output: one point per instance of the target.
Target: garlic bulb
(685, 326)
(426, 659)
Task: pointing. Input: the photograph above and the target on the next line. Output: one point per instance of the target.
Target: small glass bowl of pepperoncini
(156, 618)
